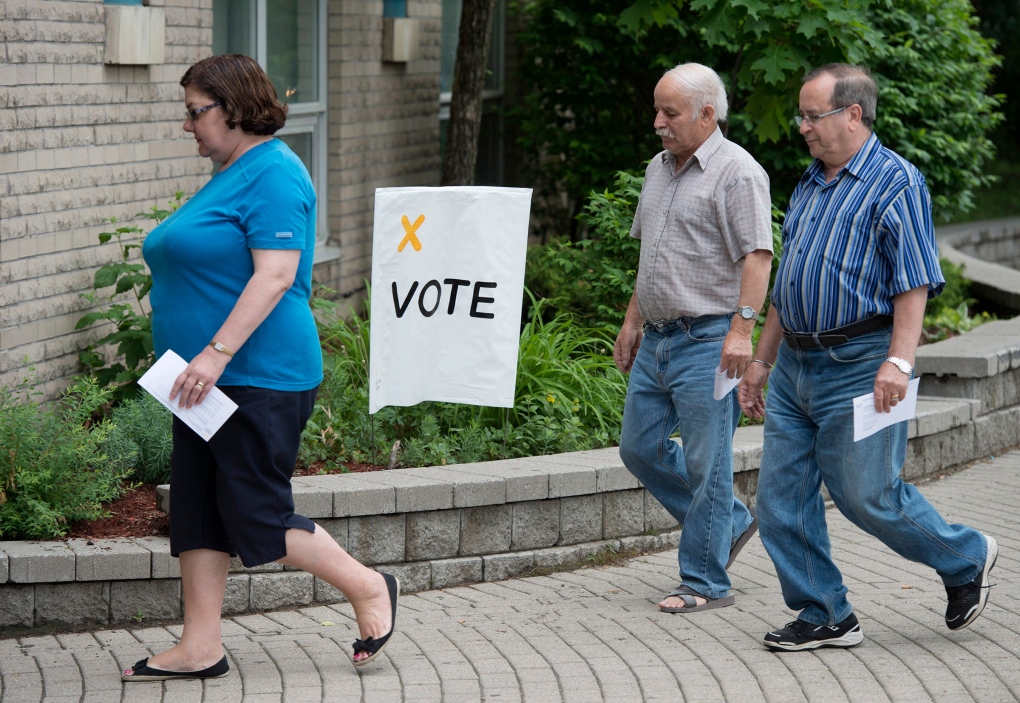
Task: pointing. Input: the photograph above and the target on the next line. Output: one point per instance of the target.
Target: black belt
(837, 336)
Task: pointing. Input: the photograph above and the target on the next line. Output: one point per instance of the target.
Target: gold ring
(895, 396)
(199, 384)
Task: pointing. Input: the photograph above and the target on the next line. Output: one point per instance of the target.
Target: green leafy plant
(569, 397)
(132, 322)
(53, 469)
(933, 71)
(141, 432)
(949, 313)
(592, 279)
(951, 322)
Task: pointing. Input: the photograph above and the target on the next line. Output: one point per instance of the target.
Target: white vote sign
(447, 287)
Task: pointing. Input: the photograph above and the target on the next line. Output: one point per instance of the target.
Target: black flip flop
(372, 645)
(141, 671)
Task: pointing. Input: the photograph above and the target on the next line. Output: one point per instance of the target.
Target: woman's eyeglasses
(193, 114)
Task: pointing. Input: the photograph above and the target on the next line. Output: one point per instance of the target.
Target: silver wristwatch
(747, 312)
(902, 364)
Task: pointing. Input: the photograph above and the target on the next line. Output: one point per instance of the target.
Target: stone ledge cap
(36, 561)
(110, 559)
(986, 350)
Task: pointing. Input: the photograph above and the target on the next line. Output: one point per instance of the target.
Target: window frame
(305, 117)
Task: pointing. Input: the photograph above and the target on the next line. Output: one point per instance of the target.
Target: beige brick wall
(383, 123)
(81, 141)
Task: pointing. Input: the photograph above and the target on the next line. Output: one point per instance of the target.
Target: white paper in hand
(867, 421)
(723, 383)
(204, 419)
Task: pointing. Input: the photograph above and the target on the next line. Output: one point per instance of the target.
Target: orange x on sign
(409, 233)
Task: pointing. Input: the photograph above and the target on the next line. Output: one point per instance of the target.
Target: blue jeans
(671, 385)
(809, 438)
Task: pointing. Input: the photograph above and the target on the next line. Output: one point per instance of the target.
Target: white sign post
(447, 287)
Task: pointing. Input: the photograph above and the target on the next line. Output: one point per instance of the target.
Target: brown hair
(243, 90)
(854, 86)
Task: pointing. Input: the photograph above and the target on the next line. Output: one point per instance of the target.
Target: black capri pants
(232, 494)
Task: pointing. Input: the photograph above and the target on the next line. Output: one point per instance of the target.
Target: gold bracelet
(762, 361)
(220, 348)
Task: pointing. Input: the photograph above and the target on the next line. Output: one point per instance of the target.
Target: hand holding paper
(204, 419)
(723, 383)
(868, 421)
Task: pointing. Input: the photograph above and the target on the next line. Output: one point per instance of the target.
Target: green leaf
(719, 25)
(753, 7)
(769, 112)
(106, 276)
(567, 17)
(777, 62)
(89, 319)
(812, 24)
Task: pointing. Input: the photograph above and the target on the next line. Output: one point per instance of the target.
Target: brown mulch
(134, 514)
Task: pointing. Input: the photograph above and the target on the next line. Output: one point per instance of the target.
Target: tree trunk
(466, 98)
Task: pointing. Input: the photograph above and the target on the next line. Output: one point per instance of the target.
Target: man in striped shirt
(859, 262)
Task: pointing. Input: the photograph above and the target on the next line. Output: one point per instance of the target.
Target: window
(394, 8)
(288, 39)
(489, 167)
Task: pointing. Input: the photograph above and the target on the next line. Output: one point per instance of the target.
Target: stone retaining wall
(990, 254)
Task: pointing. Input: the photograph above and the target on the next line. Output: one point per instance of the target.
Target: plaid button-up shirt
(696, 226)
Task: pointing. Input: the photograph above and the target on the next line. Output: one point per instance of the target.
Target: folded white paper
(204, 419)
(723, 383)
(868, 421)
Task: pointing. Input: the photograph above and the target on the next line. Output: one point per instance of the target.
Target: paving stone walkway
(595, 635)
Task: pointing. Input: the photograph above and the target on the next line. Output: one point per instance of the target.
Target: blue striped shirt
(852, 244)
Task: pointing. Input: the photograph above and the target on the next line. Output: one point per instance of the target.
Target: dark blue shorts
(232, 494)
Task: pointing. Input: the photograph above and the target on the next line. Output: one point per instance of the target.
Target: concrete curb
(982, 247)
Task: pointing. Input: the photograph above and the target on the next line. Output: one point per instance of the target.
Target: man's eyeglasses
(193, 114)
(811, 119)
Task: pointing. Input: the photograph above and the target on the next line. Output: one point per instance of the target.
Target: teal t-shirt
(200, 258)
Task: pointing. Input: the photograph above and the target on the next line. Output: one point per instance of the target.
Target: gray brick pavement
(595, 635)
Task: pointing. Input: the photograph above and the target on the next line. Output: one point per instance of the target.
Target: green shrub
(142, 434)
(53, 469)
(956, 292)
(569, 397)
(592, 279)
(131, 319)
(950, 312)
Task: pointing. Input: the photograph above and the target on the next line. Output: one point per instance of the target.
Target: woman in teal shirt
(231, 276)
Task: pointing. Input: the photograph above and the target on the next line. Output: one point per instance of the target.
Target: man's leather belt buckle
(837, 336)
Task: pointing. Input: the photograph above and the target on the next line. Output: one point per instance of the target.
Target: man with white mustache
(704, 221)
